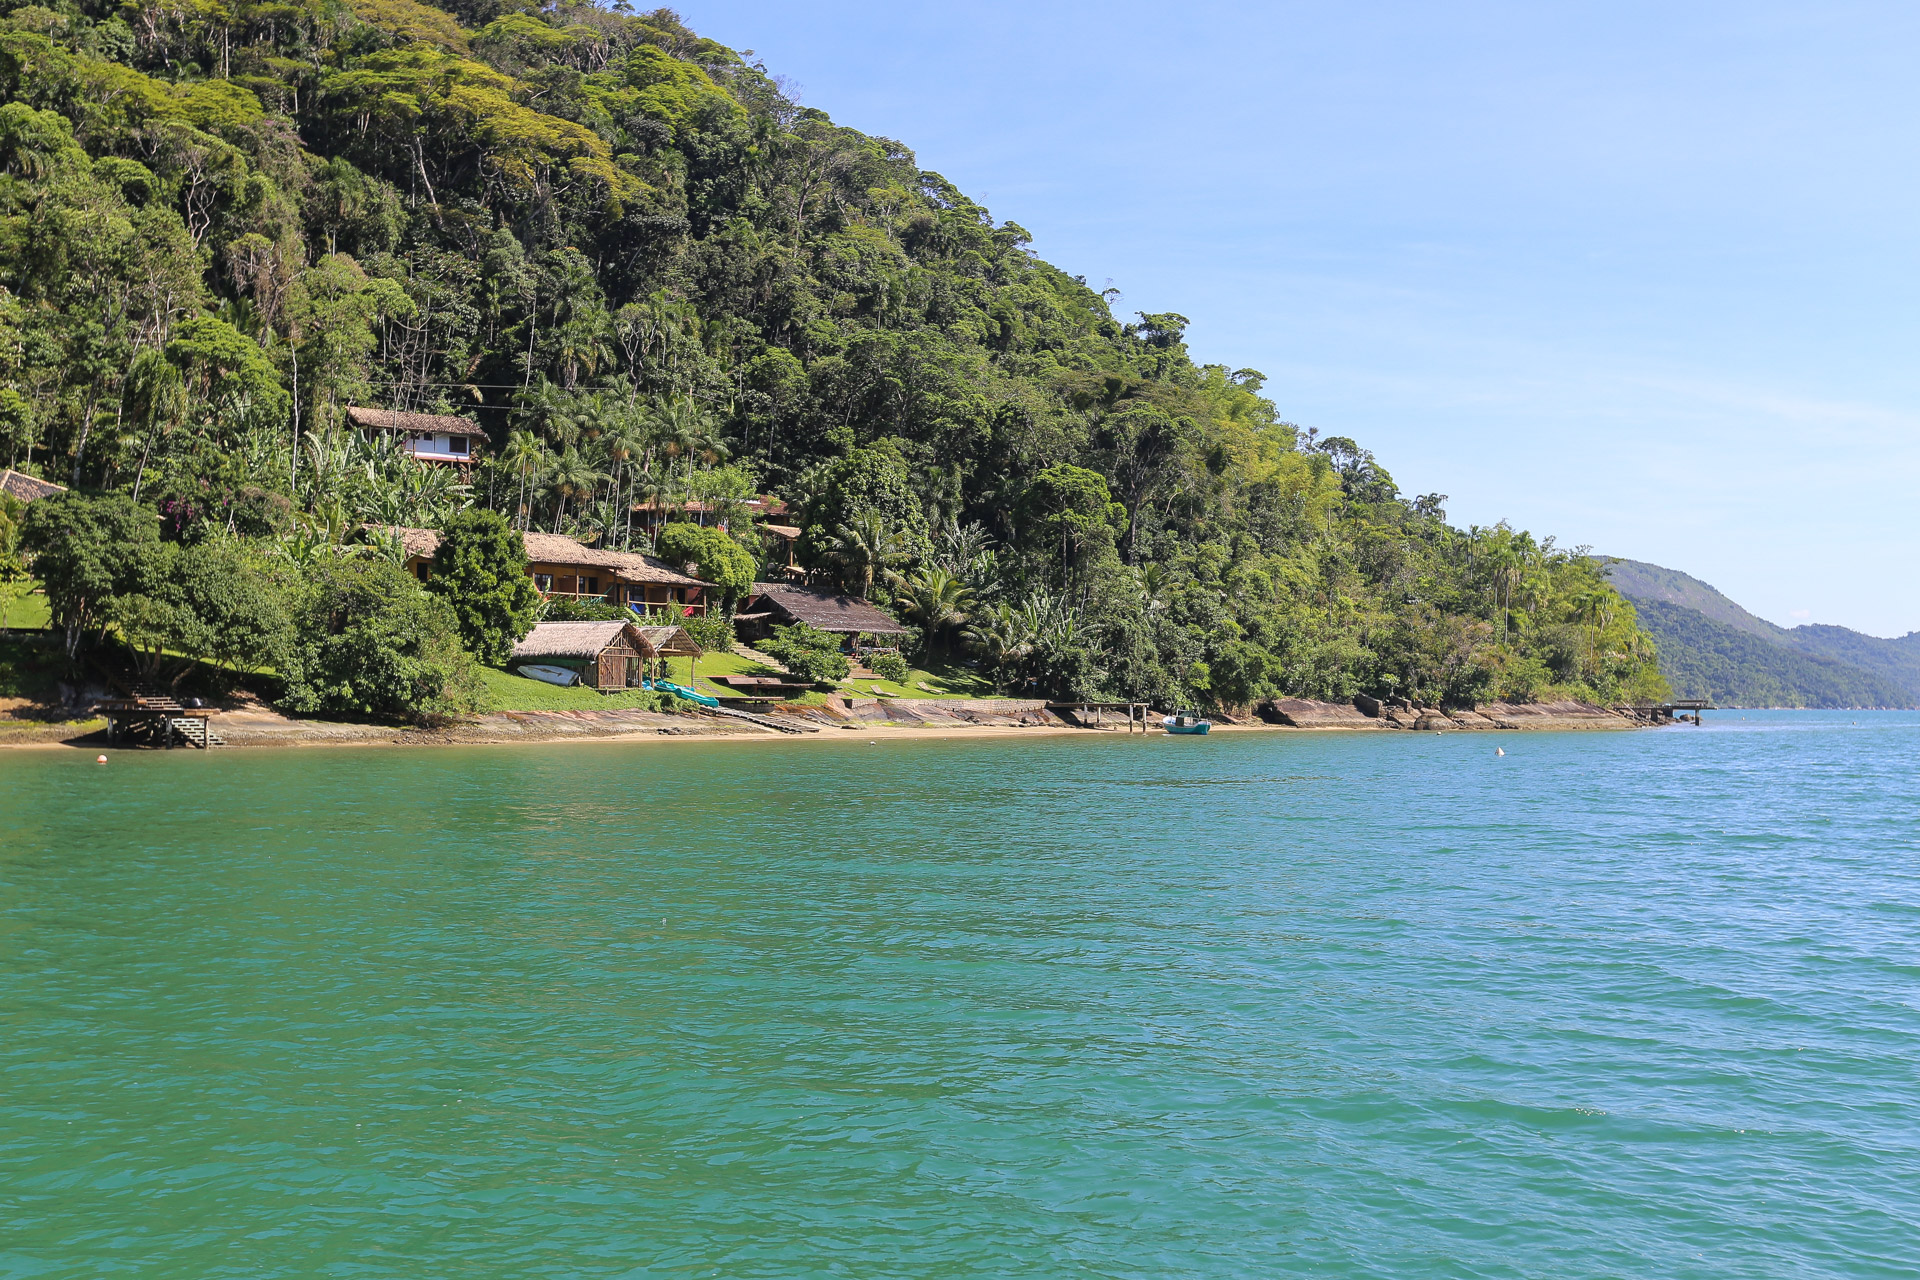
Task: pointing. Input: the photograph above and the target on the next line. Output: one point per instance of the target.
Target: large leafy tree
(372, 643)
(209, 602)
(713, 553)
(85, 551)
(480, 570)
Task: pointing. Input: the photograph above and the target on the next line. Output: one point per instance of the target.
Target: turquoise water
(1637, 1005)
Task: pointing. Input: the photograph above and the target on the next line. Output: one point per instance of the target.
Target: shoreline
(256, 731)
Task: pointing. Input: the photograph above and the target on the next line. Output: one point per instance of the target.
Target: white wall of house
(451, 448)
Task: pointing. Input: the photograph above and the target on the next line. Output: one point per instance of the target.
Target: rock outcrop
(1554, 715)
(1397, 713)
(1305, 713)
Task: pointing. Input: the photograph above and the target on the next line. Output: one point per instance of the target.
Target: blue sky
(1639, 276)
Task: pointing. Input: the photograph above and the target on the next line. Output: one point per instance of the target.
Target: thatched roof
(589, 639)
(572, 639)
(825, 612)
(413, 423)
(26, 488)
(627, 566)
(554, 548)
(673, 641)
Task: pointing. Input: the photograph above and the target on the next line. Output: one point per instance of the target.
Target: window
(457, 444)
(543, 583)
(593, 586)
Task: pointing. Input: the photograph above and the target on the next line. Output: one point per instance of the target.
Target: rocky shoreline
(250, 724)
(1373, 713)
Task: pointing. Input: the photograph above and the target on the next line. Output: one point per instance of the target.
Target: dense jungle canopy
(654, 278)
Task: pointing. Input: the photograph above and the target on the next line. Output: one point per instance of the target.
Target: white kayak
(552, 675)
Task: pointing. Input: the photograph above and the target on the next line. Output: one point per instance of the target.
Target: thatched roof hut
(779, 604)
(607, 655)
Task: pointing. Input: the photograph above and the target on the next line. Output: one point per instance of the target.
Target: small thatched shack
(608, 655)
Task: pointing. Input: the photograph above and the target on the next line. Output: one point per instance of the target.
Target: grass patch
(943, 682)
(29, 613)
(517, 693)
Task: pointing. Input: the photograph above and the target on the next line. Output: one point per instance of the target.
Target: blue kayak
(680, 691)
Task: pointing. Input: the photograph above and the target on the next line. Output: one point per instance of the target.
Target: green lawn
(27, 613)
(947, 682)
(517, 693)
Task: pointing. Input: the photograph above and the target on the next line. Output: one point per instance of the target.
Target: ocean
(1630, 1004)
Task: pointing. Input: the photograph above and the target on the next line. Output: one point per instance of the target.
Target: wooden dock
(157, 721)
(1134, 713)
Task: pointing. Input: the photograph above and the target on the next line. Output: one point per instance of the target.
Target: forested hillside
(1710, 647)
(1731, 667)
(652, 277)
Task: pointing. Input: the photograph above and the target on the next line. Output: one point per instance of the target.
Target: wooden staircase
(150, 709)
(754, 655)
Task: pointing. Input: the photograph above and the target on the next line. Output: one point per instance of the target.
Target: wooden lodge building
(430, 437)
(562, 567)
(608, 655)
(781, 604)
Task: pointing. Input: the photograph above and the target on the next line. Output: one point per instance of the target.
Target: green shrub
(568, 609)
(713, 632)
(889, 666)
(806, 652)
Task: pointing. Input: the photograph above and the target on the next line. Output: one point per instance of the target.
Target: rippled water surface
(1637, 1005)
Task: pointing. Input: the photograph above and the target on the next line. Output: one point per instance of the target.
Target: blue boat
(1184, 723)
(680, 691)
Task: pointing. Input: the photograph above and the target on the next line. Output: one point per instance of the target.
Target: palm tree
(624, 441)
(963, 548)
(935, 600)
(1002, 635)
(572, 476)
(1154, 581)
(866, 548)
(527, 457)
(680, 423)
(1594, 607)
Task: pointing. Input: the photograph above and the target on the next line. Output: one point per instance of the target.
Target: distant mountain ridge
(1711, 647)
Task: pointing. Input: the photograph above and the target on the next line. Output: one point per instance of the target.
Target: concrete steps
(765, 722)
(754, 655)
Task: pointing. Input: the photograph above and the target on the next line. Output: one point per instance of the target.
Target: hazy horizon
(1630, 277)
